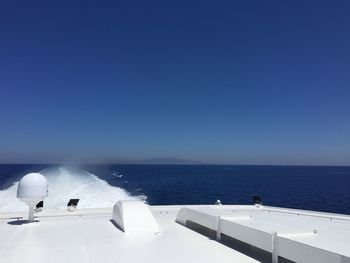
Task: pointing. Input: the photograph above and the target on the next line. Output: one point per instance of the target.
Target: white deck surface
(92, 237)
(325, 231)
(333, 235)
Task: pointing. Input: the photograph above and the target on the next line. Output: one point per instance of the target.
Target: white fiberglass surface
(96, 239)
(312, 228)
(332, 235)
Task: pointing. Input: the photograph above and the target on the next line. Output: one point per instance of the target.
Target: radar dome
(32, 189)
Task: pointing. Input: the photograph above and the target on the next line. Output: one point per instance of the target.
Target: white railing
(275, 243)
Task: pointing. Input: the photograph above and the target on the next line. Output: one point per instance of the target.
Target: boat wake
(67, 183)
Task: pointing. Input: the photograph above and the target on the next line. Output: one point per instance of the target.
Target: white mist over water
(65, 184)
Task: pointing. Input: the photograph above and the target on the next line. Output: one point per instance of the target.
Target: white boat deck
(315, 229)
(301, 236)
(307, 230)
(90, 236)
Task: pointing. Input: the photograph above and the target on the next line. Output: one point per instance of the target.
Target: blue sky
(242, 82)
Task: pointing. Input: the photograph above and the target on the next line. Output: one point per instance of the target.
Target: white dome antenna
(32, 189)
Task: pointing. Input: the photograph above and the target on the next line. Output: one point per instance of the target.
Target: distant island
(168, 160)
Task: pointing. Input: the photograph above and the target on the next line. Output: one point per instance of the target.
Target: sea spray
(66, 183)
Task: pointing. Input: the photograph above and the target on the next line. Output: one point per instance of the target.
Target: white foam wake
(65, 184)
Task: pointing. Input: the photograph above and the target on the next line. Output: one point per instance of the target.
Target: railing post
(274, 247)
(218, 228)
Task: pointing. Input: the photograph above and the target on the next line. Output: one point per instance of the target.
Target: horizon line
(173, 164)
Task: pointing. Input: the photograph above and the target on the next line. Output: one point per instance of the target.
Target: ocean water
(304, 187)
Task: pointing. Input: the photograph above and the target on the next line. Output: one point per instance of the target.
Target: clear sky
(242, 82)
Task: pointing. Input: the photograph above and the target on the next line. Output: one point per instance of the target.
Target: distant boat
(118, 175)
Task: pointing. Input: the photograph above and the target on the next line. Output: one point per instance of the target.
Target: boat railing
(297, 213)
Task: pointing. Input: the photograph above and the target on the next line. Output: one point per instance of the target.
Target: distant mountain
(168, 160)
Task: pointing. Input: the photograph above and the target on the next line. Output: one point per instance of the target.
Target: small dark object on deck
(73, 203)
(257, 200)
(39, 205)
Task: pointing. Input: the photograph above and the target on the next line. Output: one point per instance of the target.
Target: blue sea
(304, 187)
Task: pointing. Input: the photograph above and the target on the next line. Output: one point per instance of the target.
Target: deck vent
(134, 216)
